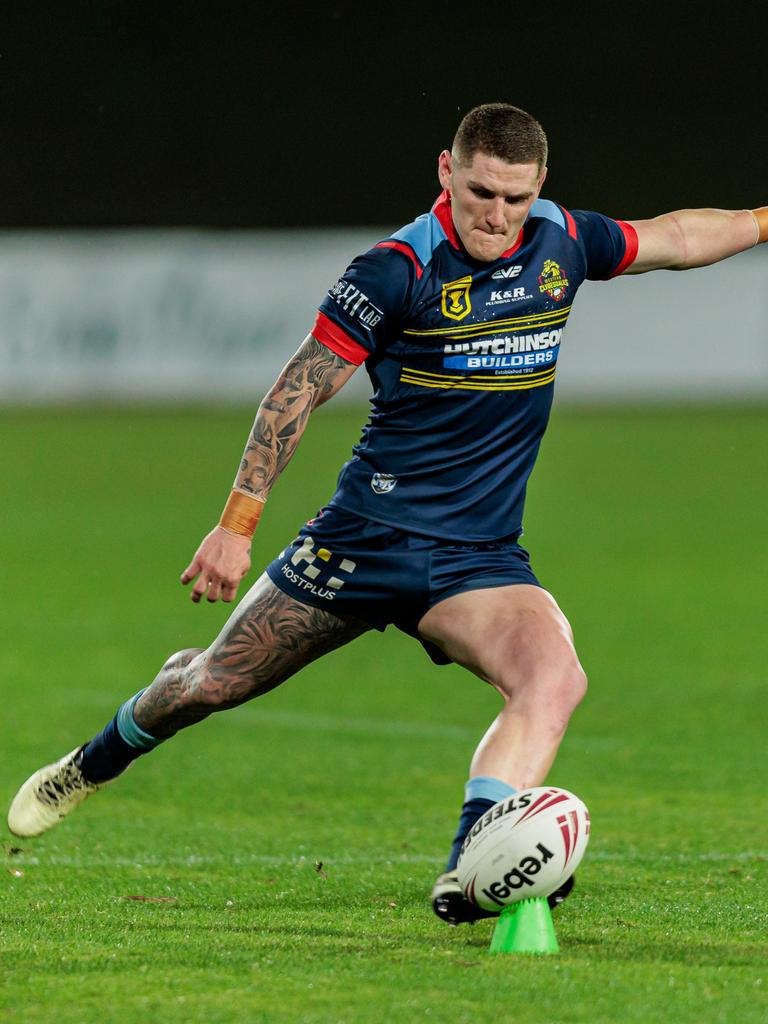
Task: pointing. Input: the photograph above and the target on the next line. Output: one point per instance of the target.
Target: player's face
(490, 200)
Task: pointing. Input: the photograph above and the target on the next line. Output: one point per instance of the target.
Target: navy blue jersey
(462, 356)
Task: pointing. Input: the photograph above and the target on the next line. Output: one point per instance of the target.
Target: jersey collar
(442, 210)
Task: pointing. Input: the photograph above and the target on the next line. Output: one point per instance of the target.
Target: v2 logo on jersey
(504, 273)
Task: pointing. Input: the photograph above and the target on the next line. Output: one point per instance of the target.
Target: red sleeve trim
(338, 341)
(570, 223)
(630, 237)
(406, 250)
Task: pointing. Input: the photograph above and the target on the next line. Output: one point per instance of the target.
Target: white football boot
(452, 906)
(49, 795)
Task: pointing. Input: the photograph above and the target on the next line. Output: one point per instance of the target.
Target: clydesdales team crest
(552, 280)
(456, 303)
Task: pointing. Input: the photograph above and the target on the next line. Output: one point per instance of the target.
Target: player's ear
(444, 168)
(542, 176)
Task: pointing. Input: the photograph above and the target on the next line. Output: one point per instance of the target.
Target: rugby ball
(524, 846)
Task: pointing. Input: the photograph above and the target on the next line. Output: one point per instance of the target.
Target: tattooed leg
(268, 638)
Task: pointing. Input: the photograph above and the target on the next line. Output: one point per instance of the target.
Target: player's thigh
(269, 637)
(507, 635)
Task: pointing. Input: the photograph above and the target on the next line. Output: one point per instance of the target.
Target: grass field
(288, 847)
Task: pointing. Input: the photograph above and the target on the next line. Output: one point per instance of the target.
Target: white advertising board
(185, 315)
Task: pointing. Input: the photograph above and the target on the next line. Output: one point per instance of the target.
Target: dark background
(249, 115)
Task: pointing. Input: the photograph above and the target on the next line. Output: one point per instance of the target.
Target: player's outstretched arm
(696, 238)
(311, 377)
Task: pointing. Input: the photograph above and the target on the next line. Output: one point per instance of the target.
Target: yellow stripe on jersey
(477, 382)
(518, 323)
(413, 372)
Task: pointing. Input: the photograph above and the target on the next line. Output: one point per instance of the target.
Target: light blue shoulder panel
(423, 235)
(550, 211)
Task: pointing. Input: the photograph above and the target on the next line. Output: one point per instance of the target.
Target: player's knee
(564, 693)
(557, 684)
(181, 659)
(563, 684)
(186, 672)
(573, 686)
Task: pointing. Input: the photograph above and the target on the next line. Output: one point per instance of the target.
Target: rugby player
(459, 318)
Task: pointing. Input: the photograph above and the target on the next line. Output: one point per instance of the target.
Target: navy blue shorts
(381, 574)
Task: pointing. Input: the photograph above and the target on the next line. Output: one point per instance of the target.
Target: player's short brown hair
(503, 131)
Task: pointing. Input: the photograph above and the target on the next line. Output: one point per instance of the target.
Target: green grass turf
(649, 526)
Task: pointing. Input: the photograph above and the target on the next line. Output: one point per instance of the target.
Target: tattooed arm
(311, 377)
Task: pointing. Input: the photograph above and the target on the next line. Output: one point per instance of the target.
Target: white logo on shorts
(305, 561)
(383, 483)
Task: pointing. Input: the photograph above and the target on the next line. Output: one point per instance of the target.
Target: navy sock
(480, 793)
(107, 754)
(471, 811)
(118, 744)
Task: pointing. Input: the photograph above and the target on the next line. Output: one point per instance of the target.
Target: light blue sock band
(132, 733)
(485, 787)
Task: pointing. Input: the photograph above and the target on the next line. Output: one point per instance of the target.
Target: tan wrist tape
(761, 216)
(241, 514)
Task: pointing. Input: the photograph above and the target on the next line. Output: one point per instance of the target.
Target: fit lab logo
(356, 303)
(552, 280)
(456, 303)
(303, 569)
